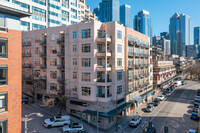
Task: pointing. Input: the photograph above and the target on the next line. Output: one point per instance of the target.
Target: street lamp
(26, 119)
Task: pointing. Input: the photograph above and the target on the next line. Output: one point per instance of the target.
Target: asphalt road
(174, 112)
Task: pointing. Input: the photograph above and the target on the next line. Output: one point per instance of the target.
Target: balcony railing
(130, 66)
(136, 77)
(130, 54)
(142, 65)
(146, 65)
(61, 67)
(61, 80)
(130, 42)
(103, 95)
(43, 42)
(26, 44)
(43, 66)
(136, 66)
(137, 55)
(26, 55)
(43, 54)
(26, 65)
(61, 40)
(103, 80)
(61, 54)
(141, 55)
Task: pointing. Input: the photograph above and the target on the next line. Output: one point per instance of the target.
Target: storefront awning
(136, 97)
(110, 113)
(148, 92)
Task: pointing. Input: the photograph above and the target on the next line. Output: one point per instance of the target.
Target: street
(174, 112)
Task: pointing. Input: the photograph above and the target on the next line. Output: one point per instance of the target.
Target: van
(177, 83)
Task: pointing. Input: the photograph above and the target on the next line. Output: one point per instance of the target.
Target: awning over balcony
(110, 113)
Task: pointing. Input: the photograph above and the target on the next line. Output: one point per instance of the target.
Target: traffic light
(166, 130)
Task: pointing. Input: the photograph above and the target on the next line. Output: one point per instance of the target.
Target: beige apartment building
(86, 14)
(89, 63)
(163, 73)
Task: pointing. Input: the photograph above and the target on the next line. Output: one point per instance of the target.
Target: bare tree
(193, 71)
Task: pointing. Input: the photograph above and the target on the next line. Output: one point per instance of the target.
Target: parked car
(196, 110)
(168, 90)
(135, 121)
(57, 121)
(177, 83)
(184, 82)
(196, 105)
(198, 93)
(161, 97)
(178, 78)
(198, 90)
(194, 116)
(74, 128)
(156, 102)
(197, 97)
(192, 131)
(164, 94)
(149, 108)
(25, 100)
(197, 100)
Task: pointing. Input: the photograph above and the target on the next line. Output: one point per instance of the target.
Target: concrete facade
(91, 63)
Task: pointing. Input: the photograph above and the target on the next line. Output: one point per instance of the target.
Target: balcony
(137, 66)
(43, 54)
(61, 67)
(61, 40)
(43, 66)
(146, 46)
(102, 53)
(102, 38)
(101, 82)
(141, 75)
(43, 78)
(26, 65)
(146, 74)
(146, 55)
(61, 80)
(136, 43)
(137, 55)
(103, 95)
(141, 55)
(103, 68)
(61, 54)
(43, 42)
(26, 54)
(130, 54)
(136, 77)
(142, 65)
(142, 45)
(130, 66)
(146, 65)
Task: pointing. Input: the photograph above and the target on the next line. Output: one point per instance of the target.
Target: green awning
(110, 113)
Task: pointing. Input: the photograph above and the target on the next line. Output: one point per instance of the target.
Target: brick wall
(13, 88)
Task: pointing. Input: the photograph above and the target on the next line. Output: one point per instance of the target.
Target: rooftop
(143, 12)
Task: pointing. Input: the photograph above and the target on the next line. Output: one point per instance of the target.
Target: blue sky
(160, 11)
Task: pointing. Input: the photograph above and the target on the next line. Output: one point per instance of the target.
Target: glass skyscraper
(142, 23)
(197, 40)
(108, 10)
(125, 14)
(180, 33)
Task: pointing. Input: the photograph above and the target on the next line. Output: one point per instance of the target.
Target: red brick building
(10, 67)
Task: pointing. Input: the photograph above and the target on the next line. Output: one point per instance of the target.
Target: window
(74, 35)
(65, 15)
(42, 2)
(53, 74)
(53, 87)
(2, 21)
(119, 75)
(3, 126)
(74, 61)
(3, 75)
(86, 91)
(3, 48)
(25, 26)
(74, 48)
(53, 62)
(85, 48)
(85, 76)
(86, 33)
(119, 34)
(119, 62)
(38, 14)
(119, 48)
(74, 75)
(37, 27)
(3, 102)
(73, 13)
(119, 89)
(85, 62)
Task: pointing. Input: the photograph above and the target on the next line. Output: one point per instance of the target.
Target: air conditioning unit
(3, 29)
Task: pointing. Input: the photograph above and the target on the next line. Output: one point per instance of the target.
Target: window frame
(5, 41)
(6, 102)
(5, 81)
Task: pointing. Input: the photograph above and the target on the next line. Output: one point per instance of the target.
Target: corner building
(88, 61)
(10, 67)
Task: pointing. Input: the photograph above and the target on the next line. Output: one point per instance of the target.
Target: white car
(73, 128)
(161, 97)
(135, 121)
(57, 121)
(192, 131)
